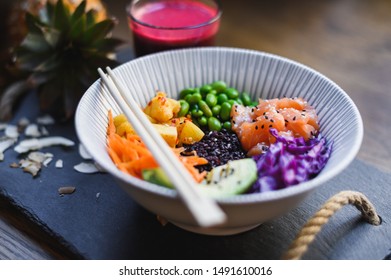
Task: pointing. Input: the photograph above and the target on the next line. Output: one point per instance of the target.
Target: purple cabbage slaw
(290, 161)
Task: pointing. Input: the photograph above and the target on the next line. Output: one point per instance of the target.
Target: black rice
(218, 147)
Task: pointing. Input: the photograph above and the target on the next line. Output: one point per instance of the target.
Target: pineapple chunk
(190, 133)
(161, 108)
(169, 133)
(118, 120)
(125, 128)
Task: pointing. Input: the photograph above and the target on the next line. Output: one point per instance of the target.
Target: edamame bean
(232, 93)
(216, 110)
(196, 113)
(225, 111)
(219, 86)
(227, 125)
(246, 99)
(205, 89)
(202, 121)
(205, 108)
(184, 108)
(232, 102)
(186, 92)
(195, 98)
(214, 124)
(211, 99)
(221, 98)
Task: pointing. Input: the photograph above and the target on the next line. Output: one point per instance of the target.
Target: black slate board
(99, 221)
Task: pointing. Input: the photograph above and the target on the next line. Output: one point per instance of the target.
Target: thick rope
(308, 233)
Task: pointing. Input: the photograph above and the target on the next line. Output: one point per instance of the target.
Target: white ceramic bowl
(261, 74)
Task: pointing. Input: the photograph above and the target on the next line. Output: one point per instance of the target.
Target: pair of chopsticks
(204, 210)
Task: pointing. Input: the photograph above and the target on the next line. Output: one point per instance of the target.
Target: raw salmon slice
(290, 116)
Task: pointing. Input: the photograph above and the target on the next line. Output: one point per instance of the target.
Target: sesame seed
(256, 127)
(294, 118)
(266, 117)
(270, 125)
(272, 120)
(263, 126)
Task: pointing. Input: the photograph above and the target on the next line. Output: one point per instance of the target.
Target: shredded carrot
(131, 156)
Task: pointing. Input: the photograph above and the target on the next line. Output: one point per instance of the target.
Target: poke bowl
(263, 77)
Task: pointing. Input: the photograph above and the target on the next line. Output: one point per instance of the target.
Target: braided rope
(308, 233)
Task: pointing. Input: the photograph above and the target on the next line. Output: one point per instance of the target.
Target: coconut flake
(32, 130)
(37, 157)
(86, 167)
(11, 131)
(4, 145)
(83, 152)
(59, 163)
(30, 166)
(45, 120)
(38, 143)
(44, 131)
(23, 122)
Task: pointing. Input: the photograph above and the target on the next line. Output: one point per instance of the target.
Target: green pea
(225, 111)
(196, 113)
(202, 121)
(213, 92)
(246, 99)
(254, 103)
(211, 99)
(221, 98)
(214, 124)
(184, 108)
(232, 93)
(205, 89)
(205, 108)
(195, 98)
(186, 92)
(227, 125)
(219, 86)
(216, 110)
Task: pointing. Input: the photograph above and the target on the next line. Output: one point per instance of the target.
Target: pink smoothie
(173, 24)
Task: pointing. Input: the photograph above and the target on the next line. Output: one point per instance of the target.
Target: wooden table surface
(349, 41)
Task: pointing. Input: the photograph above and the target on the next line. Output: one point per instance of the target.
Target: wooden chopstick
(204, 209)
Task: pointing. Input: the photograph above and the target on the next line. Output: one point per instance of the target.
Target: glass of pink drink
(159, 25)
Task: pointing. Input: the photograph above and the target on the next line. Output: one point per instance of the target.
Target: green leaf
(91, 18)
(61, 17)
(52, 36)
(47, 14)
(35, 43)
(33, 24)
(29, 61)
(98, 31)
(108, 44)
(79, 12)
(49, 64)
(78, 28)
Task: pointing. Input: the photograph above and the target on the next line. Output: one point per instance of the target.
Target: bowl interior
(262, 75)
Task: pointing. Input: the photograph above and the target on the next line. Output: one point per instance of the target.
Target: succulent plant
(59, 57)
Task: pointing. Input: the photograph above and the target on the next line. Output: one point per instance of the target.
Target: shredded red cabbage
(290, 161)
